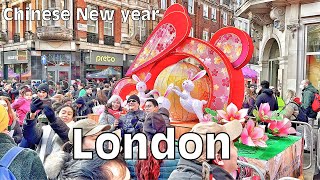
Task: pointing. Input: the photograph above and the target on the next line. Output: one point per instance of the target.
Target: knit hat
(80, 100)
(43, 87)
(135, 97)
(115, 97)
(89, 127)
(4, 119)
(233, 129)
(153, 124)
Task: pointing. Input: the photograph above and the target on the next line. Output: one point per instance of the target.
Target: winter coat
(307, 100)
(165, 115)
(82, 111)
(107, 118)
(166, 167)
(187, 169)
(267, 96)
(26, 165)
(89, 102)
(291, 110)
(17, 132)
(127, 126)
(48, 138)
(22, 107)
(248, 103)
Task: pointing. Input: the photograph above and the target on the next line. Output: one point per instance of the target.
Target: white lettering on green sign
(105, 59)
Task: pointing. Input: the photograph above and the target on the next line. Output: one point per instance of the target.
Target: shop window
(92, 26)
(313, 54)
(190, 6)
(205, 11)
(108, 28)
(213, 14)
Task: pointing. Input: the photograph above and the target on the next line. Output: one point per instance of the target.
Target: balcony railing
(16, 37)
(54, 33)
(109, 40)
(92, 38)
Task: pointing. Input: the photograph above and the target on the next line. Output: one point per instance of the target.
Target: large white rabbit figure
(142, 87)
(163, 101)
(187, 102)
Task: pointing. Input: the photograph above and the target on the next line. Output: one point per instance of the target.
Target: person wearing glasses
(132, 122)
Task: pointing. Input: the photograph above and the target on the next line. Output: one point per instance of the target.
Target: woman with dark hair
(102, 97)
(112, 112)
(249, 101)
(152, 168)
(51, 137)
(13, 119)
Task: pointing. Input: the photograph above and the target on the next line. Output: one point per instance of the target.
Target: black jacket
(267, 96)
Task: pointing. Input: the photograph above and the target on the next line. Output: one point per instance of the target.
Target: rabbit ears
(137, 79)
(197, 76)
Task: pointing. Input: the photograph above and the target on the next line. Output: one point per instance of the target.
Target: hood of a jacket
(54, 163)
(163, 111)
(269, 92)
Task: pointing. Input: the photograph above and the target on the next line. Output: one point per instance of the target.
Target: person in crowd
(89, 98)
(81, 107)
(266, 96)
(90, 131)
(67, 101)
(43, 91)
(151, 105)
(152, 168)
(280, 101)
(249, 101)
(292, 106)
(253, 88)
(96, 168)
(308, 92)
(188, 169)
(102, 97)
(112, 112)
(57, 98)
(27, 164)
(72, 91)
(13, 120)
(133, 120)
(22, 104)
(81, 90)
(51, 137)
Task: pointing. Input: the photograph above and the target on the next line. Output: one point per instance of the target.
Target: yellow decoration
(176, 74)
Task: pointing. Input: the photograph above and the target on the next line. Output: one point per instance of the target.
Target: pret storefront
(103, 65)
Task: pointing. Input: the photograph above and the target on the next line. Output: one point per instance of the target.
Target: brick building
(69, 50)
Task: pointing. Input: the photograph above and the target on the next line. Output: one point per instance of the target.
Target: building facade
(287, 37)
(73, 49)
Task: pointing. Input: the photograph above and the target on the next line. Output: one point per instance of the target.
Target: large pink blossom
(281, 128)
(264, 112)
(232, 113)
(253, 136)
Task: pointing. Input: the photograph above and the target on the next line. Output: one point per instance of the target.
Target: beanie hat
(135, 97)
(43, 87)
(80, 100)
(4, 119)
(153, 124)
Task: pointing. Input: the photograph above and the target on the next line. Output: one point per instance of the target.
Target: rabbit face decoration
(222, 57)
(142, 87)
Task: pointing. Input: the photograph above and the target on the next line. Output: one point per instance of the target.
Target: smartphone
(206, 171)
(46, 102)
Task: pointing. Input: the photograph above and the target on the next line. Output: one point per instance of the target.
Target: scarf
(114, 113)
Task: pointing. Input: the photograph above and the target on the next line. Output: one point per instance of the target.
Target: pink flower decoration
(253, 136)
(264, 112)
(232, 113)
(206, 118)
(225, 82)
(281, 128)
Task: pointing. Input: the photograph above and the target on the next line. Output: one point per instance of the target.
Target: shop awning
(249, 73)
(104, 74)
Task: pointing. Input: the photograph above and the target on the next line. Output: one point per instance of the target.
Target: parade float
(214, 85)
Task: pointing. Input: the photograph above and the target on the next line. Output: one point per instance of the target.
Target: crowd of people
(40, 119)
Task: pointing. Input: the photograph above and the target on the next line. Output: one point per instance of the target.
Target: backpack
(5, 162)
(302, 116)
(316, 103)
